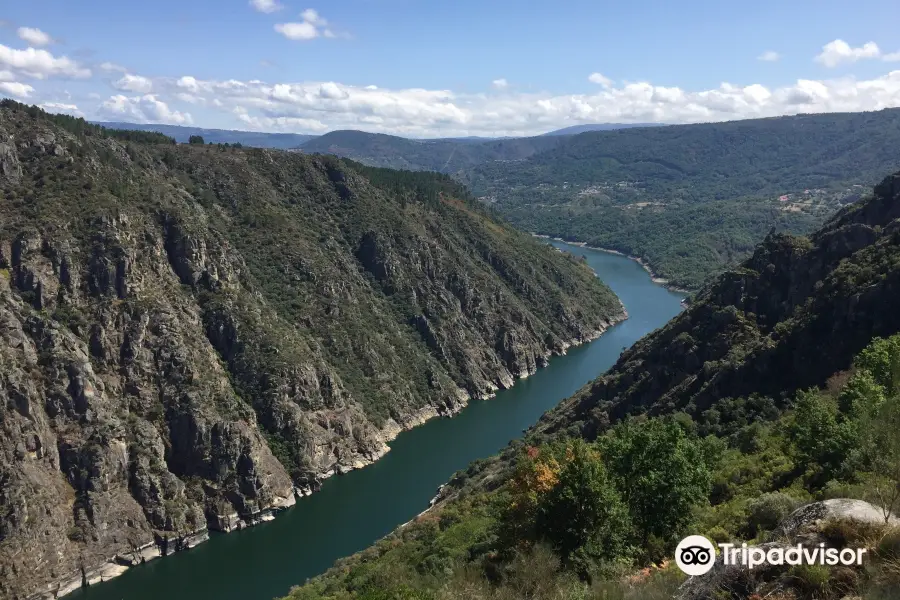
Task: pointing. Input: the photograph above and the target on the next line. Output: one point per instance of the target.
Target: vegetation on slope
(188, 332)
(443, 156)
(256, 139)
(778, 386)
(579, 520)
(693, 199)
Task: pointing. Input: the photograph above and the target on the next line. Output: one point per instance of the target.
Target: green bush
(767, 511)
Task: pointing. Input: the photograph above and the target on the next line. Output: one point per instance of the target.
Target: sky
(428, 68)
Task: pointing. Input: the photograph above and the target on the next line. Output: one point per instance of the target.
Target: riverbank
(115, 566)
(654, 276)
(507, 380)
(350, 512)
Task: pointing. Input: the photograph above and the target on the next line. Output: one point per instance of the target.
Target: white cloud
(311, 16)
(266, 6)
(769, 56)
(13, 88)
(190, 98)
(188, 83)
(40, 64)
(314, 107)
(34, 36)
(839, 52)
(311, 27)
(112, 67)
(500, 84)
(892, 57)
(133, 83)
(297, 31)
(283, 123)
(600, 79)
(7, 76)
(61, 107)
(143, 109)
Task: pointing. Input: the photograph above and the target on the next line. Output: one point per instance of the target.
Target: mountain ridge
(193, 335)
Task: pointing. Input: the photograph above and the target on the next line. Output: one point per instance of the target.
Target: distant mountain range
(287, 141)
(283, 141)
(444, 156)
(576, 129)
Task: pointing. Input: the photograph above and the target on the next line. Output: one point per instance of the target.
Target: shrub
(811, 580)
(767, 511)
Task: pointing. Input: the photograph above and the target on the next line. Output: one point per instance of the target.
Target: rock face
(189, 336)
(806, 526)
(788, 318)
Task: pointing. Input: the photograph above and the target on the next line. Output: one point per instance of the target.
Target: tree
(196, 139)
(661, 472)
(823, 440)
(873, 396)
(583, 516)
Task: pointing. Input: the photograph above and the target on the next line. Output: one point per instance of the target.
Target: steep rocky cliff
(191, 335)
(789, 317)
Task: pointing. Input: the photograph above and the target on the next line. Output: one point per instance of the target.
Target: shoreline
(654, 277)
(123, 562)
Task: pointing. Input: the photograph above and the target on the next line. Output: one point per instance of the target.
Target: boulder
(806, 526)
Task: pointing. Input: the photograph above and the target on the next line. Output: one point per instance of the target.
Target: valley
(195, 335)
(775, 389)
(352, 511)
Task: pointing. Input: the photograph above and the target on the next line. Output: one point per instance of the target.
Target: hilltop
(443, 156)
(692, 199)
(182, 134)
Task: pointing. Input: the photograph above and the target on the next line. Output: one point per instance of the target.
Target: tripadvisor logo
(696, 555)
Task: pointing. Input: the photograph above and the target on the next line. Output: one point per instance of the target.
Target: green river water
(354, 510)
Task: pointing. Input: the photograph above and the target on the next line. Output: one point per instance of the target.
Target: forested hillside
(190, 334)
(443, 156)
(690, 199)
(183, 134)
(777, 387)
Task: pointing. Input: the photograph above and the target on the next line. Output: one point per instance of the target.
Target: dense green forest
(692, 199)
(777, 387)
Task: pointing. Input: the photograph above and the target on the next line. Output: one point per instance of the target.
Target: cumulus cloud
(500, 84)
(289, 124)
(61, 107)
(320, 106)
(143, 109)
(34, 36)
(40, 64)
(112, 68)
(297, 31)
(600, 79)
(266, 6)
(840, 52)
(311, 27)
(14, 88)
(133, 83)
(311, 16)
(769, 56)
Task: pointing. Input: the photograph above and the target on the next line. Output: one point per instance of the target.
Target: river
(352, 511)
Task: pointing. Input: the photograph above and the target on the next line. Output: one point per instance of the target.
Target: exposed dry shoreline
(654, 277)
(120, 563)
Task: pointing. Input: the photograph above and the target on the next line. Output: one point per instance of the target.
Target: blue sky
(420, 68)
